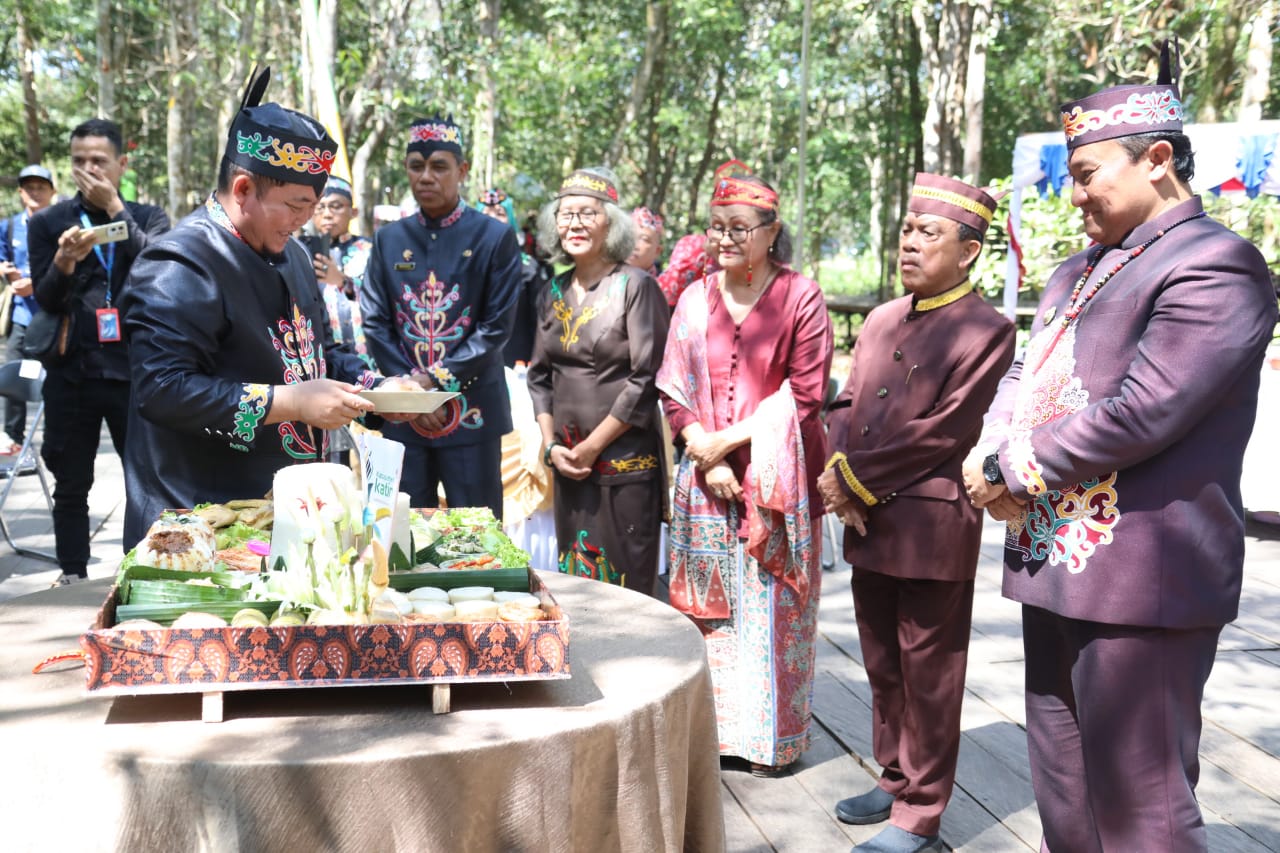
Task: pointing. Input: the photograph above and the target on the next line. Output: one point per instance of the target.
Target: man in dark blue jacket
(439, 301)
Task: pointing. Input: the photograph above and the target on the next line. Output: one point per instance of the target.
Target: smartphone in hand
(112, 232)
(317, 244)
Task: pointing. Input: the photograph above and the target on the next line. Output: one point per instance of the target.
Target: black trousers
(471, 475)
(15, 411)
(74, 412)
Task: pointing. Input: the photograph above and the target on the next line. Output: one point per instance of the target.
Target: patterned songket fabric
(749, 574)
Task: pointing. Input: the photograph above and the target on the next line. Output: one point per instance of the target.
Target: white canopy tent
(1230, 155)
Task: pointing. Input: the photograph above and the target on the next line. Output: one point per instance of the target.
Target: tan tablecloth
(622, 756)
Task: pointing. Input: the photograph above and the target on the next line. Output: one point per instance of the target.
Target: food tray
(214, 660)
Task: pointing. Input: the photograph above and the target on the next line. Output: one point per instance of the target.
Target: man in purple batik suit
(1113, 450)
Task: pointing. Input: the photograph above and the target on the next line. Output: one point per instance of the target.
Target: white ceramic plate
(407, 401)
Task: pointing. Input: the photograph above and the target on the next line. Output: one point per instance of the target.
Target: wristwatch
(991, 470)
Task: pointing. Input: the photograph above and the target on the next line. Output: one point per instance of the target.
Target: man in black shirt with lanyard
(76, 275)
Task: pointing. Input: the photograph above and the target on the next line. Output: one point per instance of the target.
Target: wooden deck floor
(993, 809)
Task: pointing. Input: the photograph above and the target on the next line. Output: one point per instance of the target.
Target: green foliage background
(726, 84)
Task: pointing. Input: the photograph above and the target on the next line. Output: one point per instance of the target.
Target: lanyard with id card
(108, 318)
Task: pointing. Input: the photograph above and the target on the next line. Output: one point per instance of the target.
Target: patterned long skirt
(762, 662)
(611, 533)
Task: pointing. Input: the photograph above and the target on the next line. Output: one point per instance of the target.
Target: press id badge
(108, 325)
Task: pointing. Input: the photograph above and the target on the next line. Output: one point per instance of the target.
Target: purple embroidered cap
(1127, 110)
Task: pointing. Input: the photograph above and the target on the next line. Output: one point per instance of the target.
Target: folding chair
(14, 386)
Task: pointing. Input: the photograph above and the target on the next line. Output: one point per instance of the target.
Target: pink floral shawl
(702, 541)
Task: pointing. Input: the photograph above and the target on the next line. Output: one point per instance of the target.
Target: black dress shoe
(872, 807)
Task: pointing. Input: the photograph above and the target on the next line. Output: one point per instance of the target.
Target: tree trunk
(899, 161)
(668, 172)
(985, 26)
(365, 198)
(181, 64)
(369, 116)
(649, 196)
(235, 77)
(875, 216)
(806, 15)
(106, 62)
(708, 150)
(1215, 89)
(944, 46)
(484, 137)
(319, 20)
(26, 74)
(1257, 74)
(655, 35)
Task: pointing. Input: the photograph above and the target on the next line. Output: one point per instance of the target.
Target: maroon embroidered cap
(1127, 110)
(953, 199)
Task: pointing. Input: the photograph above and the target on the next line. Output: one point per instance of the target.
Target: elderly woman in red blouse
(742, 381)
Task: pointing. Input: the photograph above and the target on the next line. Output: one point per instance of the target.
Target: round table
(622, 756)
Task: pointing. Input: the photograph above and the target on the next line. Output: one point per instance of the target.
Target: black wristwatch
(991, 470)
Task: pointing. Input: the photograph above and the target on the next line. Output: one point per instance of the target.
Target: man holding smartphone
(76, 274)
(339, 259)
(35, 186)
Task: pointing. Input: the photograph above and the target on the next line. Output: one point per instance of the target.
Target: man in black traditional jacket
(234, 371)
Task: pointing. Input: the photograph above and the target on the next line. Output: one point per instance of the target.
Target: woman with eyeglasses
(601, 329)
(742, 381)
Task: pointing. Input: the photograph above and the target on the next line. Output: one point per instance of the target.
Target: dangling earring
(748, 273)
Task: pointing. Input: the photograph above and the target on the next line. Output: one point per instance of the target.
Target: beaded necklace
(1076, 302)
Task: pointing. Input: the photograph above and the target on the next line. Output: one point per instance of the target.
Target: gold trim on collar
(945, 298)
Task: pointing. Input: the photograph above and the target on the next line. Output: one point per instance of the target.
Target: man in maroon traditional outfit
(924, 370)
(1113, 450)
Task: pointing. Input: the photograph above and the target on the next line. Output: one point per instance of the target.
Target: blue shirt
(13, 248)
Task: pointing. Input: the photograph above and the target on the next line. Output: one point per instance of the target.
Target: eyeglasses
(737, 233)
(587, 217)
(334, 206)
